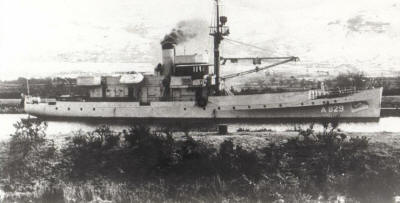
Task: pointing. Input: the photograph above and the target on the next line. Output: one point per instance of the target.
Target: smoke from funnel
(184, 31)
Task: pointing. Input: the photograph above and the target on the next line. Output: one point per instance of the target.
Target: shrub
(330, 163)
(140, 165)
(90, 155)
(30, 156)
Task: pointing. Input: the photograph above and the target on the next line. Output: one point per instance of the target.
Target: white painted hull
(364, 104)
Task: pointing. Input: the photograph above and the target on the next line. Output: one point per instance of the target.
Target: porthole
(249, 107)
(69, 108)
(81, 109)
(56, 108)
(233, 108)
(280, 105)
(94, 109)
(184, 109)
(265, 106)
(302, 103)
(312, 103)
(219, 108)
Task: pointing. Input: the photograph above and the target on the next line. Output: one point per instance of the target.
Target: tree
(30, 155)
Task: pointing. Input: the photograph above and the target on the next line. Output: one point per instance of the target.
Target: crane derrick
(256, 61)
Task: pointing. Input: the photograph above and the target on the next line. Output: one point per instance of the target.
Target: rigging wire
(246, 44)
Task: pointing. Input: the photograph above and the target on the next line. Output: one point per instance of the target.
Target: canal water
(63, 128)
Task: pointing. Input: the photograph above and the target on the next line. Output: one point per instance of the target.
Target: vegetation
(256, 130)
(44, 87)
(11, 108)
(349, 80)
(29, 162)
(138, 165)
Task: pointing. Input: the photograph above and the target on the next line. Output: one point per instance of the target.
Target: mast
(218, 32)
(27, 86)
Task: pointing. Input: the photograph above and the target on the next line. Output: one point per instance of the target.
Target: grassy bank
(137, 165)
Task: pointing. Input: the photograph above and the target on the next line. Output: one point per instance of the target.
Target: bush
(30, 156)
(140, 165)
(148, 154)
(330, 163)
(91, 155)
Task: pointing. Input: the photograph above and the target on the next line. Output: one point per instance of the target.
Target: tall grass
(142, 166)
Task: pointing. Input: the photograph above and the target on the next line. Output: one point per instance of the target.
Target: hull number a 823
(332, 109)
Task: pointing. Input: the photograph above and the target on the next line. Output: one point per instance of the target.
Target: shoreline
(255, 140)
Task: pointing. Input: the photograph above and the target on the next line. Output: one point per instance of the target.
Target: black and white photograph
(199, 101)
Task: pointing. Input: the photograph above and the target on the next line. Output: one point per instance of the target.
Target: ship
(188, 87)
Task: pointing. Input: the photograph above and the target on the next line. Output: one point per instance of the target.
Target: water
(63, 128)
(55, 128)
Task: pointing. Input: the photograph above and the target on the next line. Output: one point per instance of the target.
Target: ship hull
(295, 105)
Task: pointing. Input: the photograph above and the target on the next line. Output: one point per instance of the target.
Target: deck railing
(318, 94)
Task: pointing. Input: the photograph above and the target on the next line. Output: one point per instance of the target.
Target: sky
(45, 37)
